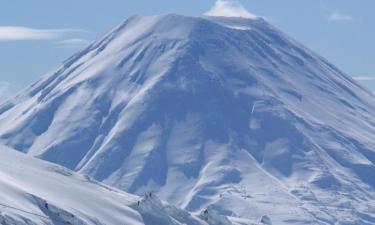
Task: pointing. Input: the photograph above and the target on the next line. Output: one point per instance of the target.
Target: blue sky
(36, 36)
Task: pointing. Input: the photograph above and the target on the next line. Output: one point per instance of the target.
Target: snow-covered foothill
(34, 192)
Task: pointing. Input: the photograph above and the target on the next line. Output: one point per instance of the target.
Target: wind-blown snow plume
(228, 8)
(6, 90)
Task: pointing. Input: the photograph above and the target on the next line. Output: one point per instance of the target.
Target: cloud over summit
(229, 8)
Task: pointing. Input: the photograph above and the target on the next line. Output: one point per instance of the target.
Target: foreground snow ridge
(220, 113)
(35, 193)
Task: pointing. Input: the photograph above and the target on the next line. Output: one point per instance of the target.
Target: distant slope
(34, 192)
(224, 113)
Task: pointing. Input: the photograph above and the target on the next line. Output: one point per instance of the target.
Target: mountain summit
(223, 113)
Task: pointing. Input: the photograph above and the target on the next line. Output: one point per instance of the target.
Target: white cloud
(364, 78)
(229, 8)
(74, 43)
(338, 17)
(16, 33)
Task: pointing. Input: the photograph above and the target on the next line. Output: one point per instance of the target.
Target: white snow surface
(34, 192)
(246, 122)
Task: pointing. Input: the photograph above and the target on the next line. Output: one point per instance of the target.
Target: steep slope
(225, 113)
(36, 192)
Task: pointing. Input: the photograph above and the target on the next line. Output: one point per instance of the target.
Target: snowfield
(34, 192)
(228, 114)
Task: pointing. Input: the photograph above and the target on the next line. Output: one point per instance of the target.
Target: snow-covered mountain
(225, 113)
(34, 192)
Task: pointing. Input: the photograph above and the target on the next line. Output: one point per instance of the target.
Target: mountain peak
(197, 109)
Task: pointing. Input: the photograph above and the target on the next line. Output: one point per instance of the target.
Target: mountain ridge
(36, 192)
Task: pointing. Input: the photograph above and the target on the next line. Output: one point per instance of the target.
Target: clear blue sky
(37, 35)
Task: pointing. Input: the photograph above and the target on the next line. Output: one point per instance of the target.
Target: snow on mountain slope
(224, 113)
(36, 192)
